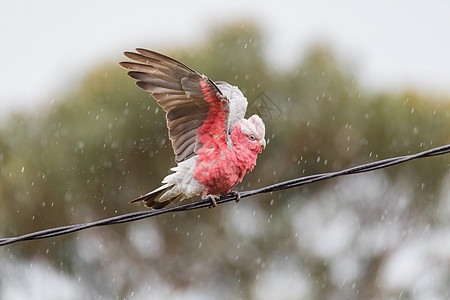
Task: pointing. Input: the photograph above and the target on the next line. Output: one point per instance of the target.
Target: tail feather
(176, 187)
(158, 198)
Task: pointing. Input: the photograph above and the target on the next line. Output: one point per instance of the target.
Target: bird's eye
(252, 137)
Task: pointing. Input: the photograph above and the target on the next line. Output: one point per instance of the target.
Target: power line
(226, 198)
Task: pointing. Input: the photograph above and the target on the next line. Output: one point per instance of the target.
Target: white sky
(48, 44)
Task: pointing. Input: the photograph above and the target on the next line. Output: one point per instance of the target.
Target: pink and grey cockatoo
(214, 145)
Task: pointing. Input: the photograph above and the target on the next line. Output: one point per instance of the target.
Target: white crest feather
(254, 125)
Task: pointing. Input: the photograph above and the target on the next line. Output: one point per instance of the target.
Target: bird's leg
(213, 199)
(237, 195)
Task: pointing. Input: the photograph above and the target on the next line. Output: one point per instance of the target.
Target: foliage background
(83, 157)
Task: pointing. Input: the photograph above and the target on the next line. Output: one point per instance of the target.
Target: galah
(214, 145)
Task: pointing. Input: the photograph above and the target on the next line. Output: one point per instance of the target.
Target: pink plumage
(214, 145)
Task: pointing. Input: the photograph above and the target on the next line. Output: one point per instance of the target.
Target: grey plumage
(177, 90)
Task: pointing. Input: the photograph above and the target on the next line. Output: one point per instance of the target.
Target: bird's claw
(213, 199)
(237, 195)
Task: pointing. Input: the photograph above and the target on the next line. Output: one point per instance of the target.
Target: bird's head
(249, 133)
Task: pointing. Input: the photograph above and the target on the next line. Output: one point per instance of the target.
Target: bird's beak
(262, 142)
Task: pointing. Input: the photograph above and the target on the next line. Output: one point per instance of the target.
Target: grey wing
(177, 90)
(237, 103)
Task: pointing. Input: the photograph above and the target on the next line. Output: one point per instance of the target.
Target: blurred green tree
(86, 155)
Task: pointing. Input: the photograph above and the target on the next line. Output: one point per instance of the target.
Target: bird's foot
(237, 195)
(213, 199)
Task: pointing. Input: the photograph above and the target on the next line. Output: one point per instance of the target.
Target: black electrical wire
(226, 198)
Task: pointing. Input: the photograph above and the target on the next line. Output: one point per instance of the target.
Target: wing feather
(165, 82)
(186, 112)
(182, 144)
(196, 110)
(153, 88)
(189, 151)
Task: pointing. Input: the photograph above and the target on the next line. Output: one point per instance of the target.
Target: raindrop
(80, 145)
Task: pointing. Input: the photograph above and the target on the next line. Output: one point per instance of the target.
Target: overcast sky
(49, 44)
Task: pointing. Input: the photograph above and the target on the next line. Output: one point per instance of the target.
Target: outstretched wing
(196, 110)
